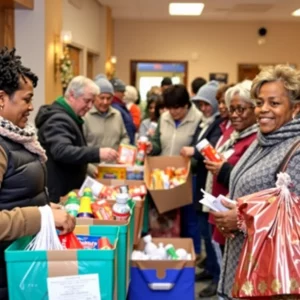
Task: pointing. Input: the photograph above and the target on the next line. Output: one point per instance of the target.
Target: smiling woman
(22, 168)
(276, 91)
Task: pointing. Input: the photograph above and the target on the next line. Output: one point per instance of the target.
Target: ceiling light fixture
(296, 13)
(185, 9)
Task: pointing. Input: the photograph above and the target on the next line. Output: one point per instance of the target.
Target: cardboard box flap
(117, 182)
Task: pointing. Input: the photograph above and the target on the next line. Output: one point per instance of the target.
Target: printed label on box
(84, 287)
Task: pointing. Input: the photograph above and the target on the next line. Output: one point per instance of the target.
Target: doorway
(247, 71)
(75, 54)
(92, 63)
(144, 74)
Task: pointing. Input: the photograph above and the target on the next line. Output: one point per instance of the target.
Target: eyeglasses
(239, 109)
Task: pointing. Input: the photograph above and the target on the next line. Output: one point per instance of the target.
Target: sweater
(256, 171)
(168, 139)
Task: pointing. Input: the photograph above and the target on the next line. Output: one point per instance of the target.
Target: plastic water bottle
(150, 248)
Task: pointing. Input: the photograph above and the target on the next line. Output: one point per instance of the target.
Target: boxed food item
(127, 154)
(174, 194)
(112, 171)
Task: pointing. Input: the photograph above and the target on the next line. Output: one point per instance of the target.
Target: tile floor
(200, 286)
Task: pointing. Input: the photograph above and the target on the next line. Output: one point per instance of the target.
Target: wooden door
(74, 54)
(90, 65)
(247, 71)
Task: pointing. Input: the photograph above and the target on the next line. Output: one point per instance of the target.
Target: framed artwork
(221, 77)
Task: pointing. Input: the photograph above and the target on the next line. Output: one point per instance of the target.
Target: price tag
(83, 287)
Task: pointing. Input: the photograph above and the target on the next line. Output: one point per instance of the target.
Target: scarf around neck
(62, 102)
(25, 136)
(235, 136)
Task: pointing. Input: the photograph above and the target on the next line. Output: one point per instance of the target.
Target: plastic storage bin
(27, 271)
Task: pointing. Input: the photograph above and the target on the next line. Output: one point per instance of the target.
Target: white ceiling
(223, 10)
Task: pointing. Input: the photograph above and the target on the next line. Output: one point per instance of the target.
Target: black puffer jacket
(68, 155)
(23, 184)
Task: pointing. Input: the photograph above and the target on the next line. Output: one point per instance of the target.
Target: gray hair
(78, 85)
(243, 90)
(288, 75)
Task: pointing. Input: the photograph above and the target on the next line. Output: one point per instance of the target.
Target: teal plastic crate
(124, 250)
(27, 271)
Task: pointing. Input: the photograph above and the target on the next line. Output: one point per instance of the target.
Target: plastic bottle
(72, 204)
(181, 253)
(171, 252)
(121, 210)
(87, 192)
(161, 251)
(141, 151)
(150, 248)
(208, 151)
(85, 209)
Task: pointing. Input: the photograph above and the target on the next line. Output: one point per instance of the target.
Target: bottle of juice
(72, 204)
(141, 151)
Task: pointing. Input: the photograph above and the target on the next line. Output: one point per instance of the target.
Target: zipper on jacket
(172, 143)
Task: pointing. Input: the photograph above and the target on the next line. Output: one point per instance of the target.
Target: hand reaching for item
(187, 151)
(63, 221)
(108, 154)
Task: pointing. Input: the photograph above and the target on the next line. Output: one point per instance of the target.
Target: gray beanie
(207, 93)
(104, 85)
(118, 84)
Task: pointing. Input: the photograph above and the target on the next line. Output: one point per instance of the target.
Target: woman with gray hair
(241, 114)
(275, 90)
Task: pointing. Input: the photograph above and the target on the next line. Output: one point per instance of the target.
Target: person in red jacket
(131, 95)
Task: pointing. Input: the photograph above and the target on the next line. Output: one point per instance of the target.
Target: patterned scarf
(25, 136)
(235, 136)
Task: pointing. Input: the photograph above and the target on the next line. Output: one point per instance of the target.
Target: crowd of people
(252, 125)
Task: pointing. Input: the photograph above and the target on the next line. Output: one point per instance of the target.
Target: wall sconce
(110, 67)
(66, 37)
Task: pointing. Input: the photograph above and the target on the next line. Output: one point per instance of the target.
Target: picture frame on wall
(221, 77)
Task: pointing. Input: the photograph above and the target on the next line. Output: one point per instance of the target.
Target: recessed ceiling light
(296, 13)
(185, 9)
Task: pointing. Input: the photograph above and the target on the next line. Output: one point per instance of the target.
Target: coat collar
(110, 112)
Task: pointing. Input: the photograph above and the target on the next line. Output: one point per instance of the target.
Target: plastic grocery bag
(269, 263)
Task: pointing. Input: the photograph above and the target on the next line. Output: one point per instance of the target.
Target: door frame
(133, 64)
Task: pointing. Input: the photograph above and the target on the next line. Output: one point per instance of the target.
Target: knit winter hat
(118, 85)
(104, 85)
(131, 94)
(207, 93)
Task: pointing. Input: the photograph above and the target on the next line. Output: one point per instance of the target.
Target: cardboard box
(164, 280)
(111, 171)
(166, 200)
(139, 205)
(27, 271)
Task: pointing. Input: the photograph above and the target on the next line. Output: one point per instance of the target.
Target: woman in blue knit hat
(209, 128)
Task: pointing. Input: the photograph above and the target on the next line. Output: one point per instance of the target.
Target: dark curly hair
(11, 69)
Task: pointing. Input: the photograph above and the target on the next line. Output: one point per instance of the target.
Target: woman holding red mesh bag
(276, 90)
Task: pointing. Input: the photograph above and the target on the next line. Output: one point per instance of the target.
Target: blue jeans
(212, 265)
(190, 223)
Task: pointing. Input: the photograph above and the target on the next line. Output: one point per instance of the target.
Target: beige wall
(30, 44)
(53, 20)
(88, 26)
(219, 45)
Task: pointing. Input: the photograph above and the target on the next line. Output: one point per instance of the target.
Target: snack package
(104, 244)
(70, 241)
(102, 210)
(127, 154)
(269, 261)
(88, 241)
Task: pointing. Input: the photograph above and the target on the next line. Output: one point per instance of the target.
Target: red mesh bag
(269, 265)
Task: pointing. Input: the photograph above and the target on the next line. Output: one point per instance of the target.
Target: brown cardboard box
(166, 200)
(139, 205)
